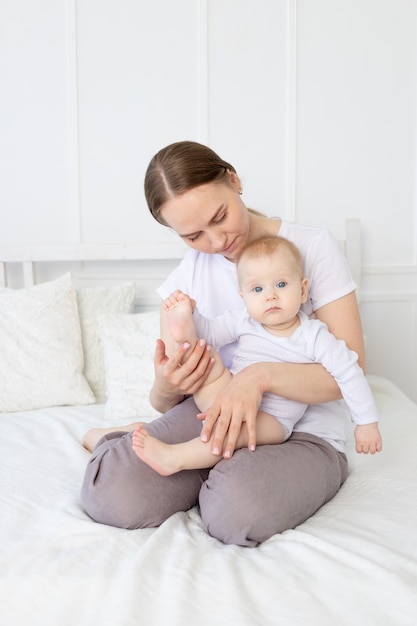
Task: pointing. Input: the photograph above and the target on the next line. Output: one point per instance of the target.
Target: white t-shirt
(211, 280)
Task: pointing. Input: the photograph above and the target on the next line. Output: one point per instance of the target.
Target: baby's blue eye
(281, 284)
(257, 289)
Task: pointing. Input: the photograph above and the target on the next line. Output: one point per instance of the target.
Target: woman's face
(210, 218)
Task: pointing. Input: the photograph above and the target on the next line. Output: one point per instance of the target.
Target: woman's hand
(175, 377)
(236, 406)
(238, 403)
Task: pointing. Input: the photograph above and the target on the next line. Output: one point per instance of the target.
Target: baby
(272, 328)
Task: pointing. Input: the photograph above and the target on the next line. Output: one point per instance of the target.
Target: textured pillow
(128, 346)
(92, 302)
(41, 356)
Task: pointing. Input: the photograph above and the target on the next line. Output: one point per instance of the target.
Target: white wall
(313, 101)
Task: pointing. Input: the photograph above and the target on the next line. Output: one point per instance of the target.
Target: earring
(240, 191)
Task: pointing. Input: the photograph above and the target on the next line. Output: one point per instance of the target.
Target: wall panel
(391, 337)
(356, 124)
(138, 86)
(33, 122)
(248, 65)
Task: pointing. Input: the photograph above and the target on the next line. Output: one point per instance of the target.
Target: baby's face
(272, 287)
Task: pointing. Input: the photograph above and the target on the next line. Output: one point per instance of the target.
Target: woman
(249, 497)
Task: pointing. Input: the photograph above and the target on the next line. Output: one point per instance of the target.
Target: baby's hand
(177, 296)
(368, 438)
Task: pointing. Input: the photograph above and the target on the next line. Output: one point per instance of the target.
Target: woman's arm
(175, 376)
(343, 319)
(308, 383)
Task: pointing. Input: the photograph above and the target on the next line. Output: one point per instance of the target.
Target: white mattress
(354, 562)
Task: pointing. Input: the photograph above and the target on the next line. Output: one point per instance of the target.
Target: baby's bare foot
(160, 456)
(180, 322)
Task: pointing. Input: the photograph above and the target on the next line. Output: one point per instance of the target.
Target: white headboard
(91, 265)
(29, 256)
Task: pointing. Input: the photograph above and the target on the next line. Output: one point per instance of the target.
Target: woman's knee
(255, 495)
(120, 490)
(232, 503)
(106, 492)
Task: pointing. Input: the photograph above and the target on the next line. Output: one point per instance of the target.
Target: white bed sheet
(353, 562)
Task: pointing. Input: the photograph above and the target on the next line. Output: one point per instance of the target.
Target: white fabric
(311, 342)
(128, 343)
(92, 302)
(212, 281)
(41, 357)
(353, 562)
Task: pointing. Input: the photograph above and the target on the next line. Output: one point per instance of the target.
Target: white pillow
(128, 343)
(92, 302)
(41, 356)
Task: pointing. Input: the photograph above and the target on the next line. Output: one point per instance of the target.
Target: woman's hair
(178, 168)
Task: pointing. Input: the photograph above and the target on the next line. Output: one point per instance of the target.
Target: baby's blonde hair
(268, 245)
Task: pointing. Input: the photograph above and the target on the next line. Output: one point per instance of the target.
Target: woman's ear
(235, 180)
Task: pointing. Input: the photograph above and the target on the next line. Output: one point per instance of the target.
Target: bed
(353, 562)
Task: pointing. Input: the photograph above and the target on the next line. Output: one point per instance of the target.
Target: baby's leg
(180, 321)
(182, 329)
(168, 459)
(269, 430)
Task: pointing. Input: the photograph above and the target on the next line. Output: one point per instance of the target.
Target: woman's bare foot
(180, 321)
(161, 457)
(93, 436)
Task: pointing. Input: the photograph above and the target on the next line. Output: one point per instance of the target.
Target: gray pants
(243, 500)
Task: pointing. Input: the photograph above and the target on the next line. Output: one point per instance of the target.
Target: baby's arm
(368, 438)
(342, 363)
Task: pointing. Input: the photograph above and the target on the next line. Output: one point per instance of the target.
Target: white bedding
(354, 562)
